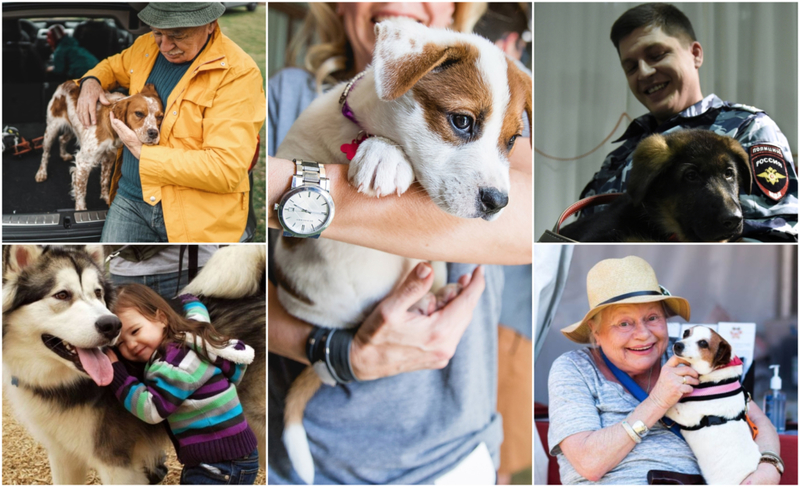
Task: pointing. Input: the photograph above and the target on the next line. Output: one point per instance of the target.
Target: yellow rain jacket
(198, 171)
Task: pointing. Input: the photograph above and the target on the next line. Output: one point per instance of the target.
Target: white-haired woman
(599, 431)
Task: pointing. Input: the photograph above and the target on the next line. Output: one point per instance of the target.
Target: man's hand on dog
(397, 337)
(126, 135)
(91, 92)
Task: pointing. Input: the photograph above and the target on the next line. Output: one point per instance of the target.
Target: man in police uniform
(661, 59)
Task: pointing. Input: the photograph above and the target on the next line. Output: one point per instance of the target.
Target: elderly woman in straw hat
(599, 430)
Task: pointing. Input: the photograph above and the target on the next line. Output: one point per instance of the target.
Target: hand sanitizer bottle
(775, 401)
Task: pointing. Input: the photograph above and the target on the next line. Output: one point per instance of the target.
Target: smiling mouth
(656, 88)
(642, 349)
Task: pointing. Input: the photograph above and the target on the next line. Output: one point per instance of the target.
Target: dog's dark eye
(62, 295)
(702, 344)
(691, 175)
(98, 293)
(462, 123)
(730, 174)
(686, 334)
(139, 114)
(511, 142)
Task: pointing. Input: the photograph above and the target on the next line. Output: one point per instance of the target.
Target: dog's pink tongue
(97, 365)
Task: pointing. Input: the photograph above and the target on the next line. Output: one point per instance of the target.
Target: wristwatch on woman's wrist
(307, 208)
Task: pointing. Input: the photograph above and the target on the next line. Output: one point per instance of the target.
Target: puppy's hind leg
(62, 143)
(50, 134)
(66, 469)
(380, 168)
(105, 175)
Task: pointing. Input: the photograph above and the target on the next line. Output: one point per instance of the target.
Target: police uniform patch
(769, 170)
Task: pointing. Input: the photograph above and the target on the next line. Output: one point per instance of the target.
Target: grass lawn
(249, 31)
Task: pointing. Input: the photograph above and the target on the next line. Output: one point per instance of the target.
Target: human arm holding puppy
(594, 453)
(392, 340)
(767, 440)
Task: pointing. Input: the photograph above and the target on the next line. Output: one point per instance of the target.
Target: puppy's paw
(380, 168)
(431, 302)
(41, 175)
(447, 294)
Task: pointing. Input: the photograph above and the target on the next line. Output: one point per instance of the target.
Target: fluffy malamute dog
(56, 319)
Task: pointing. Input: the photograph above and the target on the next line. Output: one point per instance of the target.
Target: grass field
(249, 31)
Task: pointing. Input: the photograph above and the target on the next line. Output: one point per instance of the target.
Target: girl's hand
(673, 382)
(111, 355)
(393, 340)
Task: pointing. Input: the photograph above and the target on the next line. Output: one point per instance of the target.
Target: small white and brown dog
(141, 112)
(712, 418)
(439, 107)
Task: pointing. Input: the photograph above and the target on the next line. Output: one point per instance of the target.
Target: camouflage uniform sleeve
(766, 219)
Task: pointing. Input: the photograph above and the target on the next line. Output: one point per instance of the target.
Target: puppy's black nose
(492, 200)
(732, 220)
(152, 133)
(108, 326)
(678, 348)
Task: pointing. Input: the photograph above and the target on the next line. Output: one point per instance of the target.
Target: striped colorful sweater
(197, 398)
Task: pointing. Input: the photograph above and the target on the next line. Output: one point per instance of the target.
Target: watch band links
(310, 172)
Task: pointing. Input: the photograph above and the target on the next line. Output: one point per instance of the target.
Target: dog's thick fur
(726, 453)
(683, 186)
(409, 99)
(61, 291)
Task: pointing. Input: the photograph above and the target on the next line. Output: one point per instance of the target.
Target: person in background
(69, 58)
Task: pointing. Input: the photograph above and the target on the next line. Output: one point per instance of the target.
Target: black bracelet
(332, 347)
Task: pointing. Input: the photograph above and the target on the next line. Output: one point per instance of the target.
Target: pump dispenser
(775, 401)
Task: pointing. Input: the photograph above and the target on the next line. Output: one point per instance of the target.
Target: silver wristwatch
(307, 208)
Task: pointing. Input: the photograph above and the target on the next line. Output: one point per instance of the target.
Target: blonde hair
(331, 58)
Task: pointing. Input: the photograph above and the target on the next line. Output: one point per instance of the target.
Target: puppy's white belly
(726, 453)
(335, 284)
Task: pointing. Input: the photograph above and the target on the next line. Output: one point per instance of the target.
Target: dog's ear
(405, 52)
(521, 82)
(650, 158)
(723, 355)
(15, 259)
(18, 257)
(97, 255)
(120, 110)
(742, 164)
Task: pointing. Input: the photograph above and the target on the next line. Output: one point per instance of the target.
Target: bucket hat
(630, 280)
(175, 15)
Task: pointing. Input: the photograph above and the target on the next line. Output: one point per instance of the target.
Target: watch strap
(310, 172)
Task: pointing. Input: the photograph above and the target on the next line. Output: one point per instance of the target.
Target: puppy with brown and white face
(712, 418)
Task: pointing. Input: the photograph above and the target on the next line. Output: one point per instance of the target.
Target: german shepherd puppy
(683, 186)
(56, 320)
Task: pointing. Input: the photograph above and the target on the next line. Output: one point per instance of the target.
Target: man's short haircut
(671, 20)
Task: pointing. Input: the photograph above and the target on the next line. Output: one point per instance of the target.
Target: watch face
(306, 212)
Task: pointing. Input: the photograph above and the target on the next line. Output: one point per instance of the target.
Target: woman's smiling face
(633, 336)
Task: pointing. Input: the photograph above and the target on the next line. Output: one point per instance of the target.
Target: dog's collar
(713, 421)
(716, 391)
(346, 110)
(349, 150)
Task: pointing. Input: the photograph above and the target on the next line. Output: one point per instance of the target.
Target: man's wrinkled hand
(126, 135)
(91, 93)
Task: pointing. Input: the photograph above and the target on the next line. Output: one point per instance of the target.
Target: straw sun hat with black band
(630, 280)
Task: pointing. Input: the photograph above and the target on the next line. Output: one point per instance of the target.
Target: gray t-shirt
(582, 399)
(408, 429)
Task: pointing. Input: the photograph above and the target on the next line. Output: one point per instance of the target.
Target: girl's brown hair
(152, 306)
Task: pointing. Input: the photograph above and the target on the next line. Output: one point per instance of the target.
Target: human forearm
(595, 453)
(767, 439)
(287, 334)
(412, 225)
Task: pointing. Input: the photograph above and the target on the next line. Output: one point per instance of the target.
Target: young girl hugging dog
(190, 378)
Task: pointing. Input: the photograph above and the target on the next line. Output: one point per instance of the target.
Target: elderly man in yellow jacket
(193, 186)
